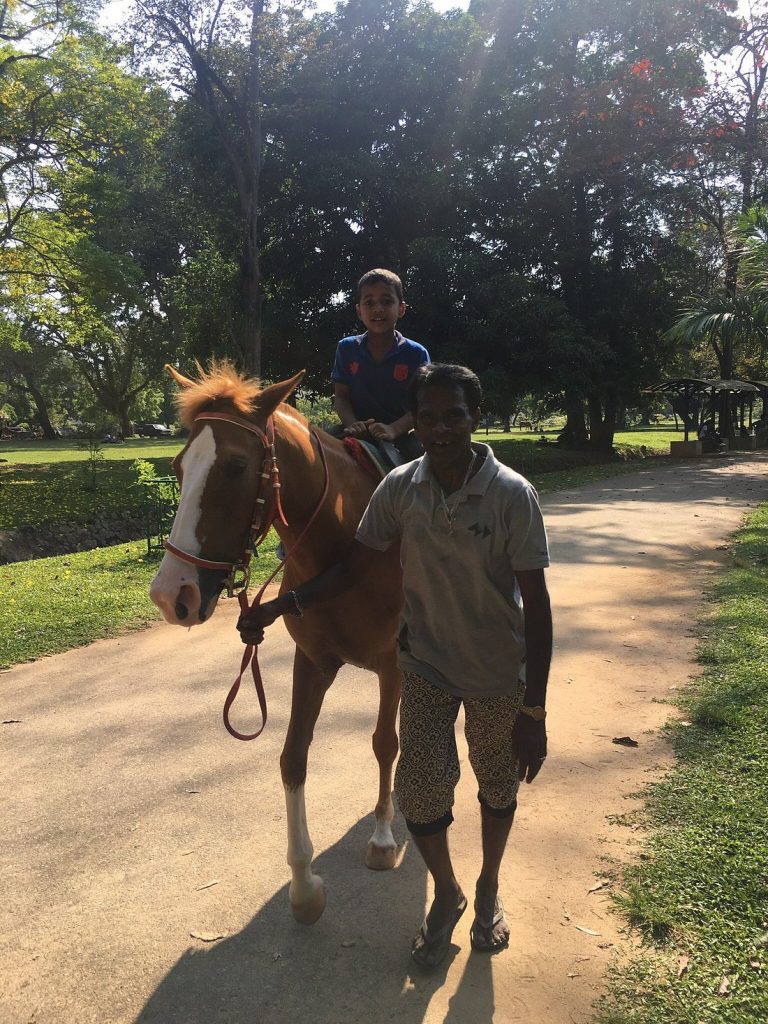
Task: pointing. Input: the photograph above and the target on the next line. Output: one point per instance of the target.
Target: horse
(241, 436)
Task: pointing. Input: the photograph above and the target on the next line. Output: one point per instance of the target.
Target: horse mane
(220, 380)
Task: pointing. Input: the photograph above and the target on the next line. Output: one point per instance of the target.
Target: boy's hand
(359, 428)
(382, 432)
(251, 625)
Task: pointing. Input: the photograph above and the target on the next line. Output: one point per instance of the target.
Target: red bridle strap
(202, 563)
(251, 653)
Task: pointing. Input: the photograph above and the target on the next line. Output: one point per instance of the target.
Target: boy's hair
(446, 375)
(383, 276)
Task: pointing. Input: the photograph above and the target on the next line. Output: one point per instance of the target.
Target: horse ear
(271, 397)
(181, 380)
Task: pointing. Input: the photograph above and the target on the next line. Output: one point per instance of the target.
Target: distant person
(710, 437)
(372, 371)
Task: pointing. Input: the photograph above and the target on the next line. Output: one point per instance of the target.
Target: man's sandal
(430, 946)
(481, 933)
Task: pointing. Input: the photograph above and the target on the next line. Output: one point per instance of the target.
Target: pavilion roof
(694, 386)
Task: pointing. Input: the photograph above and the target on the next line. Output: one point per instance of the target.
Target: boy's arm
(342, 403)
(391, 431)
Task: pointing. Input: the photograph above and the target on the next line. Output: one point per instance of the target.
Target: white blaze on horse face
(175, 578)
(196, 464)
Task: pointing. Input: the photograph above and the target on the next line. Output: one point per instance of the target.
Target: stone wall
(64, 538)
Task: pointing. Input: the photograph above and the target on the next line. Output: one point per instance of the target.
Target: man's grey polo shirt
(462, 626)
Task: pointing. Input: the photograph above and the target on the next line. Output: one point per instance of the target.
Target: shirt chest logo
(353, 368)
(481, 532)
(400, 371)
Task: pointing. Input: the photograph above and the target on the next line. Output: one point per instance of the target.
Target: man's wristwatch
(538, 714)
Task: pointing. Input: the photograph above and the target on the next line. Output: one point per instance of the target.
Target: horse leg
(382, 848)
(306, 891)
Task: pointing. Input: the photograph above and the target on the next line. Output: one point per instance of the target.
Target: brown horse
(220, 471)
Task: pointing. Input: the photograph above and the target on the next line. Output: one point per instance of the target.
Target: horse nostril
(181, 611)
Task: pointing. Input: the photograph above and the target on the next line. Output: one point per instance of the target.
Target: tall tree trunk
(602, 416)
(41, 413)
(253, 295)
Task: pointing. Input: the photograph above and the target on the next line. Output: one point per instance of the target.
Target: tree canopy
(557, 184)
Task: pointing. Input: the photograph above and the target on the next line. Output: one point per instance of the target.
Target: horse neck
(302, 479)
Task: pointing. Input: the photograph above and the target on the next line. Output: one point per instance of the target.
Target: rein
(260, 527)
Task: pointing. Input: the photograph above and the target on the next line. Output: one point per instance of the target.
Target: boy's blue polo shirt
(378, 391)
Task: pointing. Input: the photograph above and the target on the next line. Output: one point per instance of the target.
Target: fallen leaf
(572, 975)
(208, 936)
(276, 956)
(587, 931)
(207, 885)
(625, 741)
(12, 721)
(193, 790)
(604, 945)
(682, 965)
(600, 885)
(725, 984)
(348, 943)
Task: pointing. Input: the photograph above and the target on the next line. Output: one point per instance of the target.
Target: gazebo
(696, 400)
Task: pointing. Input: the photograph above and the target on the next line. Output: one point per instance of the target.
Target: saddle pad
(368, 456)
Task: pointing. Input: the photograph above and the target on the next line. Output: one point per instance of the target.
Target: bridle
(265, 513)
(260, 524)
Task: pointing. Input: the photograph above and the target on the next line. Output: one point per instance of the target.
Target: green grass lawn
(43, 482)
(700, 900)
(48, 482)
(53, 604)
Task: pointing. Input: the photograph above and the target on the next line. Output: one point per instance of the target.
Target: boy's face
(379, 307)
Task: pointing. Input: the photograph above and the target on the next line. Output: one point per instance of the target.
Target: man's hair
(379, 275)
(446, 375)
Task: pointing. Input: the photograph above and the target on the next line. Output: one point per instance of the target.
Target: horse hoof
(380, 858)
(312, 909)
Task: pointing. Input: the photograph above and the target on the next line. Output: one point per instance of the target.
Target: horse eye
(234, 468)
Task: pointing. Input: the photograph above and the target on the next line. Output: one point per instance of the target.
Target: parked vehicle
(152, 430)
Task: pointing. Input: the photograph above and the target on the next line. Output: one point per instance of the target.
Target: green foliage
(701, 893)
(88, 595)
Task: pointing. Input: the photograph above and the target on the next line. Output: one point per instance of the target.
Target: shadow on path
(275, 970)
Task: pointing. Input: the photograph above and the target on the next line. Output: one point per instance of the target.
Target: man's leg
(426, 777)
(489, 725)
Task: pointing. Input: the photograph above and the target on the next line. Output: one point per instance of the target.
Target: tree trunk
(253, 295)
(41, 413)
(602, 416)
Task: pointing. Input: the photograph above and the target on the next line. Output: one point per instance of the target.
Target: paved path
(131, 819)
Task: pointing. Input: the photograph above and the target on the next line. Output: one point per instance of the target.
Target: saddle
(376, 459)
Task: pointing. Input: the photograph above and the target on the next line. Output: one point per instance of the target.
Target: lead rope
(251, 653)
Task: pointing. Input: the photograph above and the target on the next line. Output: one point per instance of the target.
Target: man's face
(444, 424)
(379, 307)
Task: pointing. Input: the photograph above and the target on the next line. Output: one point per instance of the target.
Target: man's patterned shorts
(428, 769)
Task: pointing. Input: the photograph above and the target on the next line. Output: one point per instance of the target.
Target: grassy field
(47, 482)
(50, 482)
(700, 900)
(53, 604)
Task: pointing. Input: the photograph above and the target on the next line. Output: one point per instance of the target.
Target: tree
(199, 42)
